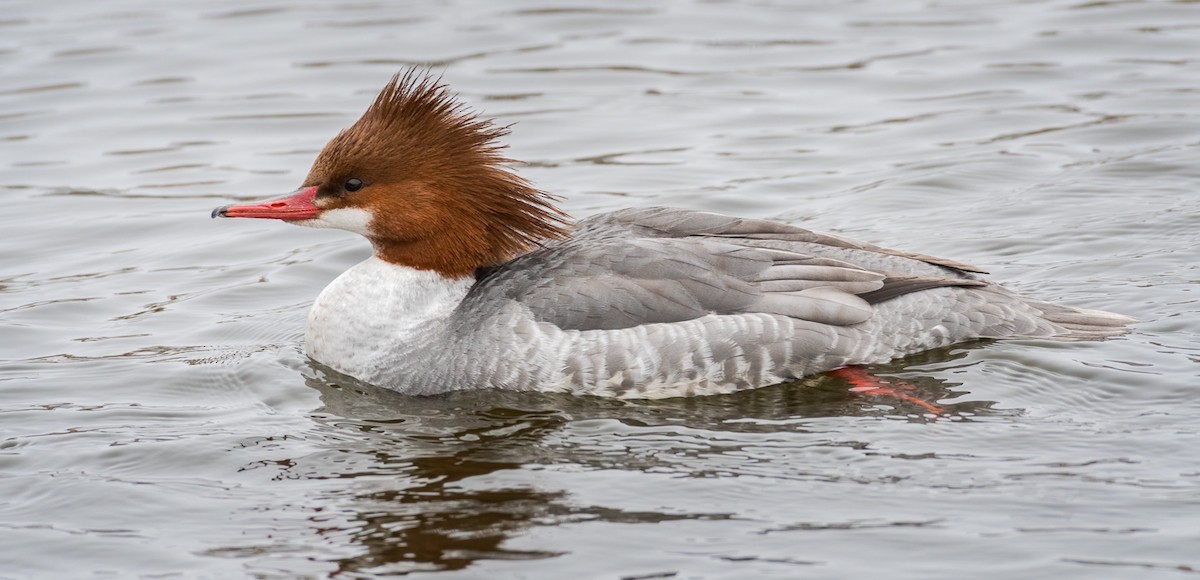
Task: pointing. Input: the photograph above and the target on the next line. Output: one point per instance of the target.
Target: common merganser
(478, 280)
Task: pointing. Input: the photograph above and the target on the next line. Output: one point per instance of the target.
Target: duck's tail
(1082, 323)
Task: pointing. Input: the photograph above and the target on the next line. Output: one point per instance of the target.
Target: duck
(479, 281)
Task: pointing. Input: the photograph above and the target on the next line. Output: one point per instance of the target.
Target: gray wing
(673, 222)
(656, 265)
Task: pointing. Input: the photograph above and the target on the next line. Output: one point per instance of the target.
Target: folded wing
(659, 265)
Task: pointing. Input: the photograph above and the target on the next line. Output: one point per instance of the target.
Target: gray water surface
(159, 420)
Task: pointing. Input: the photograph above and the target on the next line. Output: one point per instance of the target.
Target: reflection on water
(438, 506)
(425, 519)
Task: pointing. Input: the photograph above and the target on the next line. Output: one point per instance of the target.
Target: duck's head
(423, 178)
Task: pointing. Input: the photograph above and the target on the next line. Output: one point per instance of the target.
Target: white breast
(372, 310)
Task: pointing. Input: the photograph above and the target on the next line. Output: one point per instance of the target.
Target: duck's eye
(353, 184)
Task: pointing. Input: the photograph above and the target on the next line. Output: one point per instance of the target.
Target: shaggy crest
(445, 170)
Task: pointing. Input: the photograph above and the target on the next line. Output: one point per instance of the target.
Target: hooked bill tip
(220, 211)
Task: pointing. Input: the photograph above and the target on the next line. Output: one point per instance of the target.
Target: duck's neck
(375, 308)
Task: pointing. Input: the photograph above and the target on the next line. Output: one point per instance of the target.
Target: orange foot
(863, 382)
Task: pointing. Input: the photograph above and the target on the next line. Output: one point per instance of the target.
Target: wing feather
(658, 265)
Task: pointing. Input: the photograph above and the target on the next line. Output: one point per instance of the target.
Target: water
(158, 418)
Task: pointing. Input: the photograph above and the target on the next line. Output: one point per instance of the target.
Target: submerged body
(478, 283)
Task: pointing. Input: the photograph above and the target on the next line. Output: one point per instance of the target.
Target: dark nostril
(278, 204)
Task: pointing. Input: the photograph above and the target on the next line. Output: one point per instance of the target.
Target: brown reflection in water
(447, 504)
(430, 517)
(435, 526)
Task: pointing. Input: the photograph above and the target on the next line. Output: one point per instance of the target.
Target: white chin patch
(346, 218)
